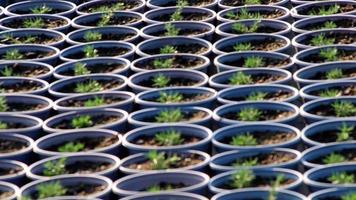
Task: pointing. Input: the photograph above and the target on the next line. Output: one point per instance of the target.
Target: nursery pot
(13, 172)
(40, 87)
(82, 9)
(166, 195)
(23, 155)
(258, 194)
(23, 66)
(27, 125)
(10, 188)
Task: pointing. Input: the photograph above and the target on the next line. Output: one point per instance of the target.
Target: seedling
(177, 15)
(13, 54)
(249, 162)
(33, 23)
(250, 2)
(253, 61)
(325, 11)
(71, 147)
(341, 178)
(249, 114)
(3, 105)
(242, 179)
(7, 71)
(242, 14)
(241, 28)
(162, 63)
(159, 160)
(168, 49)
(329, 25)
(329, 54)
(349, 196)
(82, 121)
(256, 96)
(169, 116)
(160, 81)
(80, 69)
(90, 52)
(157, 188)
(170, 97)
(240, 78)
(321, 40)
(27, 40)
(52, 189)
(3, 125)
(112, 8)
(96, 101)
(91, 36)
(169, 138)
(171, 30)
(105, 19)
(54, 168)
(89, 86)
(344, 133)
(343, 108)
(245, 139)
(329, 93)
(272, 195)
(242, 47)
(334, 158)
(41, 10)
(334, 74)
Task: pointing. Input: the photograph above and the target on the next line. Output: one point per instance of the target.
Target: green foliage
(256, 96)
(160, 81)
(343, 108)
(272, 195)
(112, 8)
(54, 168)
(96, 101)
(169, 116)
(250, 2)
(157, 188)
(253, 61)
(162, 63)
(89, 86)
(13, 54)
(329, 54)
(349, 196)
(325, 11)
(239, 78)
(242, 179)
(242, 47)
(341, 178)
(82, 121)
(344, 132)
(171, 30)
(241, 28)
(91, 36)
(52, 189)
(71, 147)
(170, 97)
(177, 15)
(334, 74)
(168, 49)
(169, 138)
(245, 139)
(242, 14)
(80, 69)
(105, 19)
(249, 162)
(329, 93)
(26, 40)
(33, 23)
(41, 10)
(7, 71)
(159, 161)
(249, 114)
(334, 158)
(3, 125)
(3, 104)
(321, 40)
(90, 52)
(329, 25)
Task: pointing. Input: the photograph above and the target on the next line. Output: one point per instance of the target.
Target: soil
(178, 62)
(342, 56)
(150, 140)
(89, 143)
(112, 36)
(20, 107)
(182, 32)
(186, 159)
(344, 7)
(127, 5)
(5, 194)
(114, 20)
(267, 137)
(260, 45)
(260, 29)
(174, 82)
(346, 72)
(102, 52)
(340, 38)
(48, 23)
(9, 171)
(267, 115)
(260, 78)
(349, 90)
(26, 71)
(108, 100)
(105, 85)
(97, 121)
(264, 14)
(340, 23)
(270, 158)
(188, 98)
(233, 3)
(39, 39)
(330, 136)
(324, 110)
(271, 96)
(23, 86)
(182, 48)
(190, 3)
(8, 146)
(259, 181)
(86, 167)
(187, 116)
(350, 156)
(267, 62)
(33, 54)
(187, 16)
(96, 68)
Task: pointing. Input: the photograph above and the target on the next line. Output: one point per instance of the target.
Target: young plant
(334, 158)
(159, 160)
(41, 10)
(177, 15)
(90, 52)
(160, 81)
(241, 179)
(349, 196)
(256, 96)
(89, 86)
(3, 105)
(253, 62)
(245, 139)
(329, 54)
(249, 162)
(13, 54)
(80, 69)
(168, 49)
(91, 36)
(239, 78)
(7, 71)
(272, 195)
(344, 133)
(325, 11)
(328, 25)
(54, 168)
(250, 2)
(112, 8)
(242, 47)
(96, 101)
(334, 74)
(3, 125)
(33, 23)
(169, 138)
(52, 189)
(341, 178)
(249, 114)
(105, 19)
(157, 188)
(321, 40)
(169, 116)
(27, 40)
(170, 97)
(82, 121)
(329, 93)
(162, 63)
(71, 147)
(343, 108)
(242, 14)
(171, 30)
(241, 28)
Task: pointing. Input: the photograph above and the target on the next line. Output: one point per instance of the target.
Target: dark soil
(20, 107)
(114, 20)
(187, 116)
(39, 39)
(324, 110)
(26, 71)
(349, 90)
(351, 72)
(340, 38)
(48, 23)
(260, 181)
(8, 146)
(102, 52)
(108, 100)
(86, 167)
(150, 140)
(267, 115)
(97, 121)
(190, 3)
(105, 85)
(330, 136)
(264, 45)
(5, 194)
(183, 48)
(178, 62)
(187, 16)
(23, 86)
(342, 56)
(340, 23)
(174, 82)
(182, 32)
(349, 154)
(188, 97)
(32, 54)
(242, 2)
(343, 8)
(260, 78)
(267, 62)
(127, 5)
(270, 158)
(271, 96)
(112, 36)
(9, 171)
(263, 14)
(97, 68)
(267, 137)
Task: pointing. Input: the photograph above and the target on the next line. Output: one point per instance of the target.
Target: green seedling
(169, 138)
(91, 36)
(321, 40)
(80, 69)
(344, 133)
(88, 86)
(33, 23)
(54, 168)
(3, 125)
(253, 62)
(169, 116)
(112, 8)
(341, 178)
(168, 49)
(334, 158)
(171, 30)
(41, 10)
(159, 161)
(105, 19)
(239, 78)
(7, 71)
(249, 162)
(328, 25)
(334, 74)
(256, 96)
(242, 47)
(177, 15)
(241, 28)
(250, 2)
(3, 105)
(13, 54)
(71, 147)
(241, 179)
(170, 97)
(245, 139)
(343, 108)
(90, 52)
(162, 63)
(82, 121)
(243, 14)
(329, 54)
(272, 195)
(329, 93)
(349, 196)
(96, 101)
(52, 189)
(26, 40)
(249, 114)
(325, 11)
(160, 81)
(157, 188)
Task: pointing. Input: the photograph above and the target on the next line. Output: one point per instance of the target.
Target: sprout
(249, 114)
(162, 63)
(171, 30)
(334, 74)
(159, 160)
(241, 28)
(344, 132)
(89, 86)
(256, 96)
(13, 54)
(54, 168)
(71, 147)
(249, 162)
(160, 81)
(341, 178)
(97, 101)
(253, 61)
(168, 49)
(329, 93)
(112, 8)
(329, 54)
(242, 47)
(34, 23)
(239, 78)
(169, 138)
(3, 105)
(343, 108)
(52, 189)
(105, 19)
(242, 14)
(170, 97)
(321, 40)
(242, 178)
(90, 52)
(80, 69)
(245, 139)
(91, 36)
(7, 71)
(41, 10)
(82, 121)
(334, 158)
(169, 116)
(323, 11)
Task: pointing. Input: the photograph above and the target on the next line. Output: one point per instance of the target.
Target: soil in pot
(9, 171)
(258, 61)
(86, 121)
(254, 114)
(109, 19)
(271, 158)
(348, 90)
(330, 54)
(176, 115)
(256, 138)
(341, 133)
(35, 22)
(20, 107)
(330, 38)
(341, 108)
(190, 3)
(90, 52)
(6, 194)
(82, 69)
(29, 39)
(240, 78)
(173, 62)
(176, 97)
(23, 86)
(335, 23)
(15, 54)
(91, 85)
(164, 186)
(328, 9)
(263, 96)
(337, 73)
(181, 48)
(269, 44)
(246, 14)
(234, 3)
(111, 6)
(91, 102)
(19, 69)
(160, 81)
(9, 146)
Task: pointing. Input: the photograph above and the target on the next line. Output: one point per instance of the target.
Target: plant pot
(331, 193)
(107, 165)
(46, 54)
(224, 80)
(153, 4)
(315, 178)
(126, 18)
(188, 181)
(201, 30)
(94, 65)
(147, 116)
(314, 91)
(10, 189)
(141, 157)
(258, 193)
(166, 195)
(160, 15)
(62, 8)
(89, 7)
(114, 99)
(33, 105)
(28, 69)
(67, 87)
(230, 4)
(108, 33)
(222, 162)
(20, 36)
(12, 22)
(223, 136)
(21, 124)
(198, 96)
(116, 119)
(44, 146)
(23, 85)
(258, 42)
(182, 60)
(22, 155)
(236, 60)
(311, 24)
(104, 49)
(273, 92)
(135, 141)
(277, 12)
(13, 172)
(183, 44)
(304, 11)
(295, 179)
(145, 81)
(71, 181)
